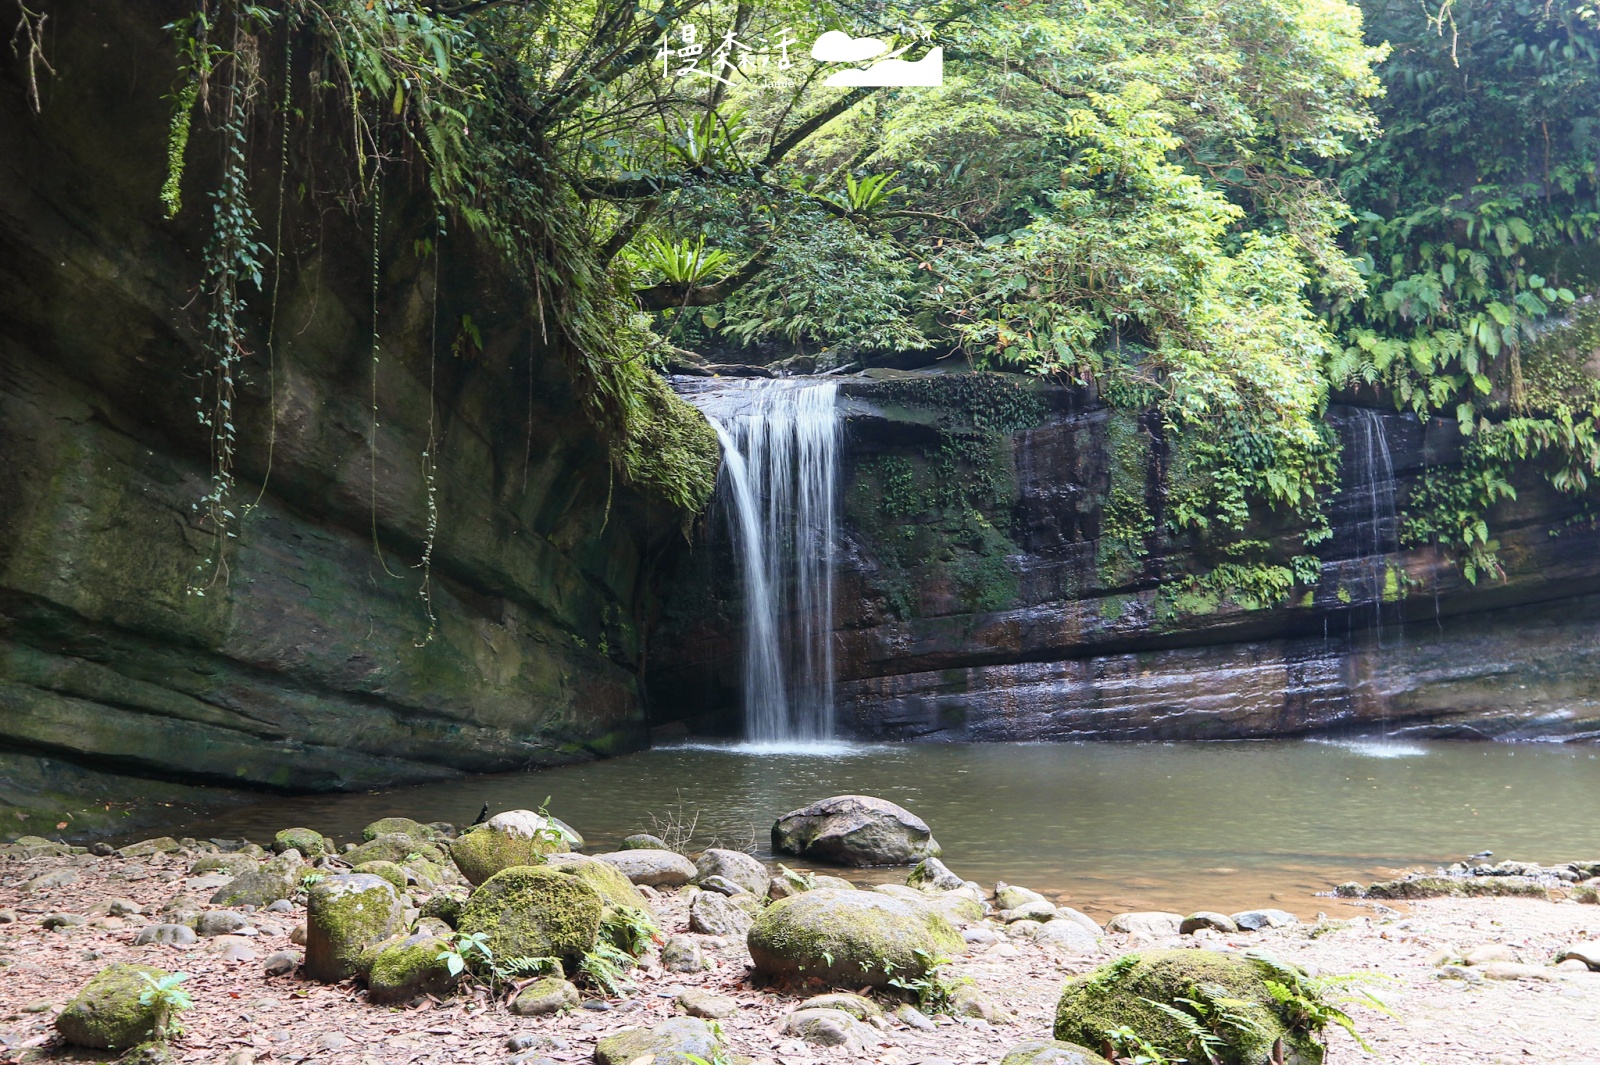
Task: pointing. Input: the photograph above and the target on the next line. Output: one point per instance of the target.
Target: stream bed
(1108, 826)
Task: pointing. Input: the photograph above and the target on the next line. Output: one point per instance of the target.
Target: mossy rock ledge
(508, 840)
(1120, 994)
(535, 911)
(849, 938)
(107, 1014)
(347, 915)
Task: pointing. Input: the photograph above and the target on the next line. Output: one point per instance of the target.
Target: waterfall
(779, 481)
(1377, 527)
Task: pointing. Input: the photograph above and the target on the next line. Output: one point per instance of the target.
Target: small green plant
(933, 990)
(169, 999)
(870, 193)
(797, 881)
(1312, 1004)
(1212, 1017)
(629, 930)
(605, 968)
(684, 262)
(1124, 1046)
(467, 952)
(308, 880)
(528, 965)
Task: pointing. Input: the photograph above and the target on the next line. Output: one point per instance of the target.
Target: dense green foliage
(1217, 214)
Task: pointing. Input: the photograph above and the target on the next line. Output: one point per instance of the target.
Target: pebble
(912, 1017)
(8, 916)
(63, 920)
(280, 906)
(124, 908)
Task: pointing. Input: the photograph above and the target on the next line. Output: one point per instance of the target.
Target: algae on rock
(535, 911)
(1121, 995)
(108, 1014)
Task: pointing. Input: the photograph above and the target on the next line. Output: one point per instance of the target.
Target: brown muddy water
(1108, 826)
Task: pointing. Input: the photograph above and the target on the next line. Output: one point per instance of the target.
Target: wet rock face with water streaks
(1069, 615)
(855, 830)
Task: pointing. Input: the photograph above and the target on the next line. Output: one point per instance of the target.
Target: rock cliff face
(1006, 574)
(307, 664)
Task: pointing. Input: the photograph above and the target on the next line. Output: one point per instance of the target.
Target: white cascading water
(780, 442)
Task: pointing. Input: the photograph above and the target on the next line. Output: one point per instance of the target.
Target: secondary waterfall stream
(779, 480)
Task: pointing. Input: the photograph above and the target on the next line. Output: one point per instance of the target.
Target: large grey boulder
(345, 916)
(537, 912)
(850, 938)
(411, 967)
(736, 867)
(855, 830)
(656, 868)
(276, 879)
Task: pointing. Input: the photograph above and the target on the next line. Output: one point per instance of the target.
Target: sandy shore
(241, 1014)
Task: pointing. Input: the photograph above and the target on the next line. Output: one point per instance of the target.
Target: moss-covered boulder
(396, 847)
(535, 911)
(849, 938)
(1051, 1052)
(643, 841)
(675, 1042)
(1121, 994)
(391, 872)
(308, 842)
(958, 907)
(409, 968)
(614, 887)
(277, 878)
(345, 916)
(510, 839)
(107, 1013)
(398, 826)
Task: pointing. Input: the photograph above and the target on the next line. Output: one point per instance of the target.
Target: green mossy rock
(1051, 1052)
(148, 847)
(546, 995)
(1434, 887)
(506, 841)
(668, 1043)
(107, 1015)
(232, 864)
(612, 884)
(278, 878)
(395, 847)
(398, 826)
(849, 938)
(345, 916)
(643, 841)
(388, 870)
(307, 841)
(409, 968)
(535, 911)
(1117, 994)
(446, 907)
